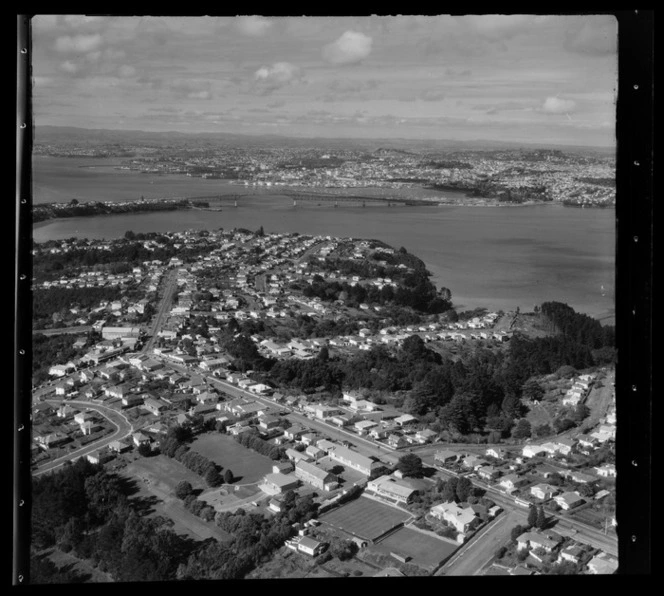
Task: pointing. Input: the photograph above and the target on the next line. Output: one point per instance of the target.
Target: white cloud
(254, 26)
(351, 47)
(69, 67)
(556, 105)
(78, 43)
(269, 78)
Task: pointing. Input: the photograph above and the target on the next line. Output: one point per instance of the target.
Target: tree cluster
(252, 441)
(83, 509)
(254, 540)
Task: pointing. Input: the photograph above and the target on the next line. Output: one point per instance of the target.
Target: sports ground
(365, 518)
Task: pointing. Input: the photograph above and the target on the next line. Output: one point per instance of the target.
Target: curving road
(123, 428)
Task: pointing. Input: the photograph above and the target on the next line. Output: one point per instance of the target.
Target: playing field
(365, 518)
(247, 465)
(424, 550)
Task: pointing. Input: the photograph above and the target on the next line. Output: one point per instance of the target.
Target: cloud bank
(555, 105)
(350, 48)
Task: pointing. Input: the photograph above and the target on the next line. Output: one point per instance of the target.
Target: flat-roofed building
(353, 459)
(315, 476)
(391, 488)
(276, 483)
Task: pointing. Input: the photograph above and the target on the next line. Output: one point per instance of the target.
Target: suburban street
(367, 446)
(170, 285)
(474, 556)
(123, 428)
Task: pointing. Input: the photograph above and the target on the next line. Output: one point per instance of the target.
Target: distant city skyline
(544, 79)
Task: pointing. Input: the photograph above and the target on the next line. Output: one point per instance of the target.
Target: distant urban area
(244, 404)
(500, 176)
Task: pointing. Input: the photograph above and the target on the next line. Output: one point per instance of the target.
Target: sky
(521, 78)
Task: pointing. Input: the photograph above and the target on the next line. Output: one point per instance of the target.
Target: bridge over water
(311, 197)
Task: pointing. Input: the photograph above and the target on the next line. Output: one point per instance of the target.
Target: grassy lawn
(156, 478)
(365, 518)
(247, 465)
(426, 551)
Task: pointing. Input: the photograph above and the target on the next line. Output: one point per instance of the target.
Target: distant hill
(64, 134)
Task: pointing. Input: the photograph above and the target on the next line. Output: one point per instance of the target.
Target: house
(154, 406)
(606, 470)
(119, 446)
(568, 500)
(446, 457)
(65, 411)
(363, 426)
(512, 481)
(295, 432)
(323, 412)
(546, 470)
(306, 545)
(83, 417)
(268, 422)
(397, 441)
(426, 435)
(535, 540)
(51, 440)
(140, 439)
(580, 477)
(99, 457)
(405, 419)
(488, 473)
(602, 564)
(462, 519)
(544, 492)
(533, 450)
(572, 554)
(564, 445)
(279, 483)
(131, 399)
(275, 505)
(315, 476)
(391, 488)
(473, 462)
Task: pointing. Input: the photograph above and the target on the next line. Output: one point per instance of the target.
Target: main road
(366, 445)
(170, 285)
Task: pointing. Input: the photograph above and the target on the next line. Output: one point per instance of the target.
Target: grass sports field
(365, 518)
(426, 551)
(247, 465)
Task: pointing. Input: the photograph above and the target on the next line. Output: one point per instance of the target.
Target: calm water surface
(493, 257)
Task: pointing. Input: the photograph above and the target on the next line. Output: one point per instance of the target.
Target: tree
(324, 354)
(522, 429)
(145, 450)
(213, 477)
(228, 476)
(183, 490)
(532, 390)
(541, 518)
(532, 516)
(464, 489)
(410, 465)
(449, 490)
